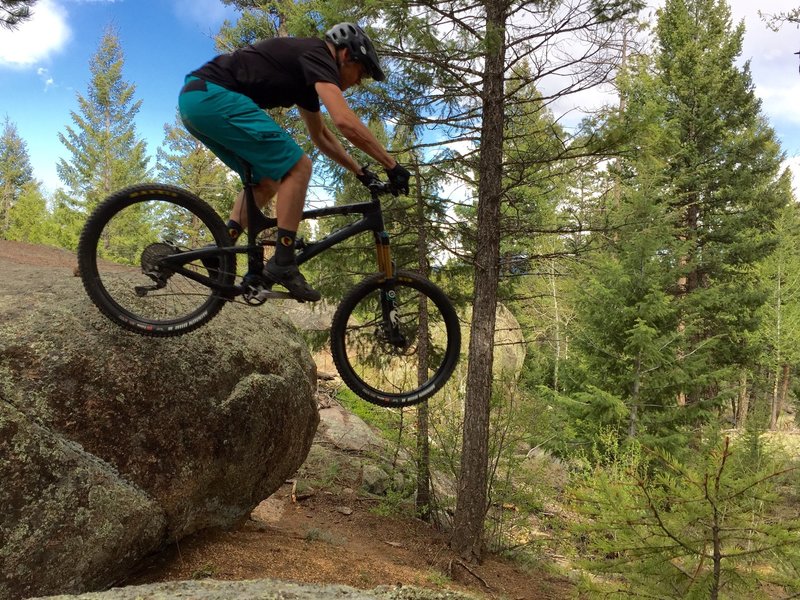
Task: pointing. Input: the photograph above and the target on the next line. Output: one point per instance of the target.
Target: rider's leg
(292, 194)
(289, 209)
(263, 192)
(282, 267)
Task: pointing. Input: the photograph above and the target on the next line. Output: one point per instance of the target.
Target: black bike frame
(371, 220)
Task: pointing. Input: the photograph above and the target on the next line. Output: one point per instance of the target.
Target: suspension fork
(385, 264)
(389, 308)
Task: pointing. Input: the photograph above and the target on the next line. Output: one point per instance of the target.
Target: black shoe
(290, 277)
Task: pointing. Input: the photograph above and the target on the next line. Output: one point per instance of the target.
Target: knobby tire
(372, 368)
(109, 277)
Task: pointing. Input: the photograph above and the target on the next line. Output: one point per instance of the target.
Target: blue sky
(45, 63)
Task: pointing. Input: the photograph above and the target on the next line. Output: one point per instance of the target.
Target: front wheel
(395, 342)
(129, 259)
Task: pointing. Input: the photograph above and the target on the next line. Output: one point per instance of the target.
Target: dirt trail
(338, 539)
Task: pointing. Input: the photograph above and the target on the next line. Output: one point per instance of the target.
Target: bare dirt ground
(316, 541)
(14, 255)
(333, 536)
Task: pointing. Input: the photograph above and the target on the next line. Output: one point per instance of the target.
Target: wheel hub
(152, 256)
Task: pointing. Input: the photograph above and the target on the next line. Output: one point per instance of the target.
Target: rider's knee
(267, 188)
(302, 168)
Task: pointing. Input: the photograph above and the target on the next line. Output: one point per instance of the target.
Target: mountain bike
(159, 261)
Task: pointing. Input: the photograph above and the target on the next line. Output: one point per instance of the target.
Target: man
(222, 105)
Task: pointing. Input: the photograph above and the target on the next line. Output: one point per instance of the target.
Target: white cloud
(780, 101)
(44, 75)
(45, 33)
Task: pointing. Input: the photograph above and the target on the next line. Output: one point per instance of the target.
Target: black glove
(398, 177)
(367, 177)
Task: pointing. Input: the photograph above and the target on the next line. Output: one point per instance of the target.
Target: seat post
(255, 218)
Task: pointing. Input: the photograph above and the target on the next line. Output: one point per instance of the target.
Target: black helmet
(352, 37)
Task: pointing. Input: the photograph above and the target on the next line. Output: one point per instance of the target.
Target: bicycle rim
(121, 248)
(396, 372)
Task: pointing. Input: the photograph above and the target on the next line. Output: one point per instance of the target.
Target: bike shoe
(290, 277)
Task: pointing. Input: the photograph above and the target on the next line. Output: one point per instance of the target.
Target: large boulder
(113, 444)
(266, 589)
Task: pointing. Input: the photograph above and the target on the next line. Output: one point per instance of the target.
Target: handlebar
(382, 188)
(377, 187)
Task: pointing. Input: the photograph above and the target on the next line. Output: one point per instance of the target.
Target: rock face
(265, 589)
(113, 444)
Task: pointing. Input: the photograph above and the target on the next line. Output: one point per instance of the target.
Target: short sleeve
(318, 65)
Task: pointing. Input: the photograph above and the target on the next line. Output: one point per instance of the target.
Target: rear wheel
(395, 342)
(121, 256)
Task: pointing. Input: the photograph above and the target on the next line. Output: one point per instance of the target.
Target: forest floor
(335, 536)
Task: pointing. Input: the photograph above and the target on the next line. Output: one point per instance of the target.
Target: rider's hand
(399, 177)
(367, 177)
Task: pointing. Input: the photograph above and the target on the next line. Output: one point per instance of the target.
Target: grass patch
(207, 571)
(385, 419)
(438, 578)
(394, 503)
(320, 535)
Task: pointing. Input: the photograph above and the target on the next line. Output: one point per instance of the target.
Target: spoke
(379, 363)
(138, 237)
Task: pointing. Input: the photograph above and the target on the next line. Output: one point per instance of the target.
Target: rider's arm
(328, 143)
(350, 125)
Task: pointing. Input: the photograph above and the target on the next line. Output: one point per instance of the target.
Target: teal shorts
(234, 128)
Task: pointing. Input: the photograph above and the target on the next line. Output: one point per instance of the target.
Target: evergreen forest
(629, 288)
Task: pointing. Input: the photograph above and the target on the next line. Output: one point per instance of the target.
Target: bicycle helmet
(352, 37)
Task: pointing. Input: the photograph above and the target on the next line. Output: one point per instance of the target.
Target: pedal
(257, 294)
(265, 294)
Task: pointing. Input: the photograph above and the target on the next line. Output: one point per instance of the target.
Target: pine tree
(184, 161)
(709, 526)
(723, 162)
(461, 60)
(15, 172)
(29, 218)
(624, 373)
(106, 154)
(14, 12)
(699, 192)
(779, 316)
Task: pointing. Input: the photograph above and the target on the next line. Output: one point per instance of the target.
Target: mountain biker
(221, 105)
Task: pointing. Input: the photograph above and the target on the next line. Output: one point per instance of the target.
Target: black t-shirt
(275, 72)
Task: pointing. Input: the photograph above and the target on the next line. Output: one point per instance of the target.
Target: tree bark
(471, 503)
(779, 397)
(423, 498)
(743, 406)
(633, 421)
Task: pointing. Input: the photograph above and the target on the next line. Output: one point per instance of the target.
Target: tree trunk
(780, 399)
(633, 422)
(423, 497)
(471, 504)
(744, 402)
(556, 323)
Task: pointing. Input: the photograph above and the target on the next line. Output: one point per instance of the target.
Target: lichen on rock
(113, 444)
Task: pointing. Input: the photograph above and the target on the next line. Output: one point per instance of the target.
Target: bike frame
(371, 220)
